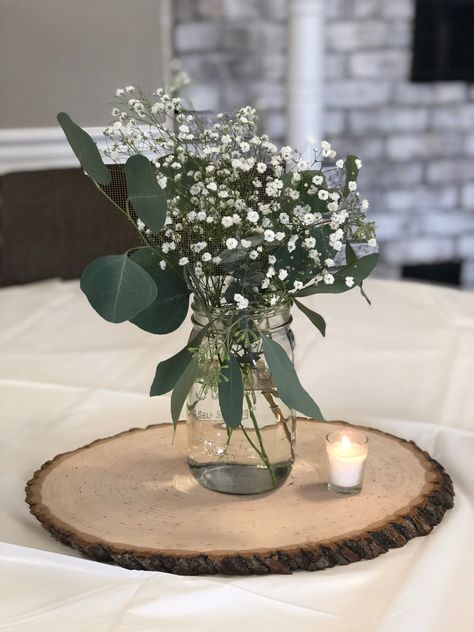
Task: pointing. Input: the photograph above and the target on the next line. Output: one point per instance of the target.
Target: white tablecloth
(405, 365)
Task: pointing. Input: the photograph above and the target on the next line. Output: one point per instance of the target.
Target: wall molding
(36, 148)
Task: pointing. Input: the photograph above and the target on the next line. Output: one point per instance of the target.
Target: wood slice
(130, 499)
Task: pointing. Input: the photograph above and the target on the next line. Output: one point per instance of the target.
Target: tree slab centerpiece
(130, 500)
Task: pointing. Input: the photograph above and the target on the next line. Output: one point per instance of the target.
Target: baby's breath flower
(231, 243)
(227, 187)
(349, 281)
(242, 302)
(227, 221)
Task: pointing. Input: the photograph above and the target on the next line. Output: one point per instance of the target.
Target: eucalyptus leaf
(287, 382)
(351, 256)
(146, 195)
(170, 307)
(169, 371)
(182, 388)
(117, 288)
(231, 393)
(231, 258)
(317, 320)
(358, 271)
(85, 150)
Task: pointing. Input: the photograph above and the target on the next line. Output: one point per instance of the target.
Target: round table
(404, 365)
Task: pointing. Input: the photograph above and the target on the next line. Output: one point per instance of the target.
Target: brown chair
(54, 222)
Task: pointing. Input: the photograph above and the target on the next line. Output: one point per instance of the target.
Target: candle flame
(346, 442)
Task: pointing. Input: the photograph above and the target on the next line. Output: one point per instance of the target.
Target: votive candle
(347, 452)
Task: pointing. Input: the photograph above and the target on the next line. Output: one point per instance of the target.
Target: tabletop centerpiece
(246, 229)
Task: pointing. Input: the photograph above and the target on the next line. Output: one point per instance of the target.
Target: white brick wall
(416, 140)
(235, 53)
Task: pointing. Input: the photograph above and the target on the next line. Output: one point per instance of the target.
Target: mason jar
(258, 455)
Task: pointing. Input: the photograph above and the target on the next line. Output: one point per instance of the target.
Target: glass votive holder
(347, 451)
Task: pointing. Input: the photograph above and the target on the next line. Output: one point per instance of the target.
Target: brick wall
(416, 140)
(235, 53)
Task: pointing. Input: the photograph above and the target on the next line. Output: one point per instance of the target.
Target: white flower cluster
(233, 196)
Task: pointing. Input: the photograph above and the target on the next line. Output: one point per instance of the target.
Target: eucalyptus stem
(262, 452)
(281, 419)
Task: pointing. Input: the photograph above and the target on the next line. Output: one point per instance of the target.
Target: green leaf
(182, 388)
(169, 371)
(287, 382)
(117, 288)
(231, 393)
(317, 320)
(170, 307)
(352, 172)
(351, 256)
(146, 195)
(231, 258)
(358, 271)
(85, 150)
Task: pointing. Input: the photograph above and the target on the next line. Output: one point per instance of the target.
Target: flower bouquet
(248, 230)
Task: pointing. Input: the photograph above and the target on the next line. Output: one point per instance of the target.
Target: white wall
(72, 54)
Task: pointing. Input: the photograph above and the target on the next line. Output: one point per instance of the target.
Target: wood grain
(130, 499)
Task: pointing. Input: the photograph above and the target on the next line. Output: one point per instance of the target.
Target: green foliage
(351, 258)
(317, 320)
(169, 371)
(117, 288)
(287, 382)
(182, 388)
(231, 392)
(146, 195)
(358, 271)
(170, 307)
(85, 150)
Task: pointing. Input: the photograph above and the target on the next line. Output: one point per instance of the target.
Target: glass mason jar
(257, 456)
